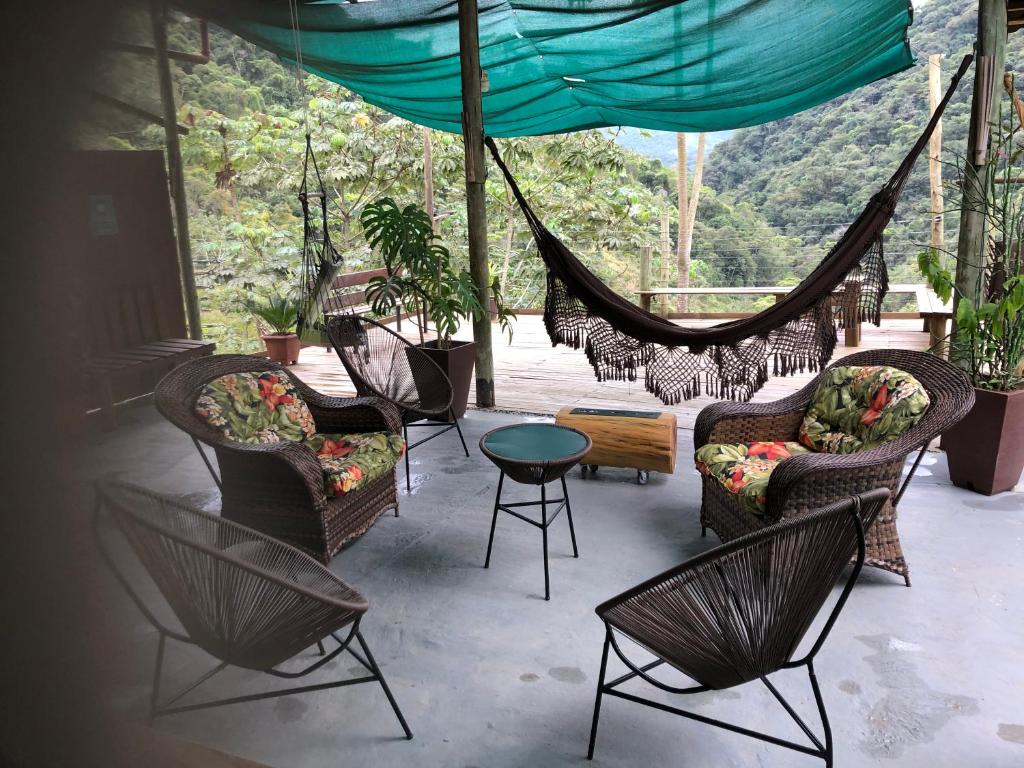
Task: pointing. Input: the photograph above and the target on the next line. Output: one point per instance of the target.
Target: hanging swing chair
(734, 359)
(320, 259)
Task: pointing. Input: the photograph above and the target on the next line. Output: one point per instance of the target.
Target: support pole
(988, 76)
(476, 212)
(666, 257)
(645, 276)
(935, 152)
(158, 12)
(682, 195)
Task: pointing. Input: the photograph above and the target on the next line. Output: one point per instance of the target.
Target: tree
(687, 211)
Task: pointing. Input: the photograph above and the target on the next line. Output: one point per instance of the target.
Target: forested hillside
(775, 196)
(244, 148)
(810, 173)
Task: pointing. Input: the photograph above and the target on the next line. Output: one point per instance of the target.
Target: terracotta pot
(985, 451)
(457, 362)
(282, 348)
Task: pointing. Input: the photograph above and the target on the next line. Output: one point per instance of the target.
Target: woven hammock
(730, 360)
(320, 259)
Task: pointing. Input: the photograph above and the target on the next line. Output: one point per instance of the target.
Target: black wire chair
(383, 364)
(738, 612)
(246, 599)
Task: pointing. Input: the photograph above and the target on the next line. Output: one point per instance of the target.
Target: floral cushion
(860, 407)
(744, 468)
(257, 407)
(351, 461)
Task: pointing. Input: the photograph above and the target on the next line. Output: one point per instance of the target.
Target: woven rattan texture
(278, 488)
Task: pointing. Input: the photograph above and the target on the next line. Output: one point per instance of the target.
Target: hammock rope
(730, 360)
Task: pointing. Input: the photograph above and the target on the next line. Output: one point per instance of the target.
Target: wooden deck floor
(531, 376)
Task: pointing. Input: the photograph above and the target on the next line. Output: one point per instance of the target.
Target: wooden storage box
(641, 440)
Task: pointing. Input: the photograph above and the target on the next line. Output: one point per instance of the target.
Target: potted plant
(422, 277)
(278, 317)
(985, 451)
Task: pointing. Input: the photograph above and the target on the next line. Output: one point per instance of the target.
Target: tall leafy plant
(421, 273)
(989, 322)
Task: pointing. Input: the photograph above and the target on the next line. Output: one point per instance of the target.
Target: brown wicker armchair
(246, 599)
(278, 488)
(739, 613)
(809, 481)
(383, 364)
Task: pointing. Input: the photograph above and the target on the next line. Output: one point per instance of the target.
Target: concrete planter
(985, 451)
(457, 362)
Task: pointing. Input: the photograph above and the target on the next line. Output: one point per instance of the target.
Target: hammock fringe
(728, 361)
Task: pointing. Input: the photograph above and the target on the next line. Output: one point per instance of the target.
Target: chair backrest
(176, 394)
(382, 363)
(738, 612)
(243, 597)
(949, 390)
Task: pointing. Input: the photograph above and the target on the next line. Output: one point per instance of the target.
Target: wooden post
(428, 206)
(177, 178)
(683, 207)
(476, 213)
(988, 71)
(666, 256)
(687, 210)
(645, 276)
(935, 152)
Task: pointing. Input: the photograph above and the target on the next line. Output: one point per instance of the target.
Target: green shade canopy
(565, 65)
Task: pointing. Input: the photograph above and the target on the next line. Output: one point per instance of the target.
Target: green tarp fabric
(565, 65)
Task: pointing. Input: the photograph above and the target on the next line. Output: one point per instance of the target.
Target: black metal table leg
(544, 532)
(408, 479)
(568, 514)
(494, 520)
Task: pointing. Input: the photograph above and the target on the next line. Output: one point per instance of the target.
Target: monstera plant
(986, 450)
(422, 276)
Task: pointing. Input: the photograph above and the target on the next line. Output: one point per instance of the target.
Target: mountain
(661, 145)
(811, 173)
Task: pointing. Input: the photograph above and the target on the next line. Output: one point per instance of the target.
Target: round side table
(535, 454)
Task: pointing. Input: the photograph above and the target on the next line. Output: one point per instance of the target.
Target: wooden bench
(347, 295)
(935, 313)
(128, 305)
(930, 308)
(133, 347)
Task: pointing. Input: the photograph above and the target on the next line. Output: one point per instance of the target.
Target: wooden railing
(930, 308)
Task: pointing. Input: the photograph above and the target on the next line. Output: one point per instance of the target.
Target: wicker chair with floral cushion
(848, 431)
(312, 470)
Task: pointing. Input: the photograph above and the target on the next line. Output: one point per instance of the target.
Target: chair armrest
(809, 480)
(298, 456)
(728, 422)
(351, 414)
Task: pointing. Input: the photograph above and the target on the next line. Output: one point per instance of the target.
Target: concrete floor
(489, 674)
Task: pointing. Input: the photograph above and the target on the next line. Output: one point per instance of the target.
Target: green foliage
(421, 269)
(812, 173)
(988, 333)
(279, 313)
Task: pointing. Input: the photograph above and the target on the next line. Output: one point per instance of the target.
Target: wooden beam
(158, 12)
(988, 78)
(476, 212)
(134, 111)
